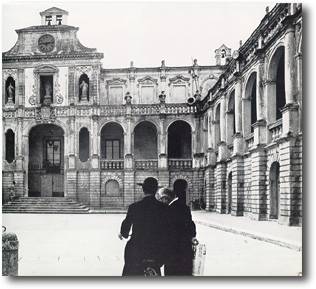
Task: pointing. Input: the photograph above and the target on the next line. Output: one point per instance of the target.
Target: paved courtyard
(87, 245)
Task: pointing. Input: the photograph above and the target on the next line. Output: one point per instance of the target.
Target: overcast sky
(146, 32)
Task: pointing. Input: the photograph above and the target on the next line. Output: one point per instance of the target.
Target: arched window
(10, 90)
(9, 146)
(217, 125)
(276, 88)
(112, 141)
(84, 144)
(145, 141)
(231, 128)
(84, 86)
(112, 188)
(179, 140)
(250, 113)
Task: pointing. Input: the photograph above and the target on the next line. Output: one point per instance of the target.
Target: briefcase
(199, 254)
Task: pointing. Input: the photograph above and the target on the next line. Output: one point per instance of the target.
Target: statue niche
(10, 90)
(84, 88)
(46, 90)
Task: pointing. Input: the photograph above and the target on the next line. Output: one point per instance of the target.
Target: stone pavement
(267, 231)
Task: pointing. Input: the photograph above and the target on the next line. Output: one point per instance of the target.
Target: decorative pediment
(54, 10)
(46, 69)
(178, 79)
(116, 81)
(147, 80)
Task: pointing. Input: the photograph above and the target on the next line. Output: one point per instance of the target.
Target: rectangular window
(53, 154)
(112, 149)
(59, 19)
(48, 19)
(147, 94)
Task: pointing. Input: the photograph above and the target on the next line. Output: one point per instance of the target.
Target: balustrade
(146, 164)
(250, 141)
(180, 163)
(276, 130)
(111, 164)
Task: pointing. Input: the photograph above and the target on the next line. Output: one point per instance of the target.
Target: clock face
(46, 43)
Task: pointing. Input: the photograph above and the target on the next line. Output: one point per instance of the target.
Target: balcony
(180, 163)
(249, 141)
(111, 164)
(146, 164)
(276, 129)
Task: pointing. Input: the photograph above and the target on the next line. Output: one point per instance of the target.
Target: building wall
(158, 95)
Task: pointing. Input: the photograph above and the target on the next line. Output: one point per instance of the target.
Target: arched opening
(274, 190)
(217, 125)
(145, 141)
(84, 87)
(9, 146)
(250, 113)
(112, 188)
(180, 187)
(179, 140)
(112, 141)
(229, 192)
(10, 90)
(46, 161)
(84, 146)
(276, 87)
(230, 116)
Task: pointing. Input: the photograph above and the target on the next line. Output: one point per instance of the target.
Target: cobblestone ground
(87, 245)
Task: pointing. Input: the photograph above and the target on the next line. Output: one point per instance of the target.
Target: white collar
(175, 199)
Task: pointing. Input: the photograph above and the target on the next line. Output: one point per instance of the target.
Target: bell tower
(54, 16)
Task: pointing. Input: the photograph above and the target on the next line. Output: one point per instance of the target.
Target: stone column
(19, 170)
(291, 189)
(128, 156)
(237, 186)
(95, 142)
(71, 173)
(260, 127)
(20, 96)
(238, 107)
(71, 85)
(220, 187)
(289, 64)
(258, 184)
(210, 188)
(222, 148)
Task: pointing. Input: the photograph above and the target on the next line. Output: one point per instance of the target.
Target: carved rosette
(84, 70)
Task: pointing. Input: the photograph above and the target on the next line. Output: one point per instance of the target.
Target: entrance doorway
(180, 188)
(46, 161)
(229, 193)
(274, 190)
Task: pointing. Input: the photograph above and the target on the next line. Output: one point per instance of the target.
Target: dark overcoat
(148, 239)
(181, 230)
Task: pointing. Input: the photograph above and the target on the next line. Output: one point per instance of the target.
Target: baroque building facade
(226, 137)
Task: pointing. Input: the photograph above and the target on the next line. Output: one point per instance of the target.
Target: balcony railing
(180, 163)
(250, 141)
(146, 164)
(111, 164)
(276, 129)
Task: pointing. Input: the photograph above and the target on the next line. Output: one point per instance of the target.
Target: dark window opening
(59, 19)
(48, 19)
(46, 89)
(179, 140)
(112, 149)
(84, 144)
(253, 105)
(9, 146)
(280, 89)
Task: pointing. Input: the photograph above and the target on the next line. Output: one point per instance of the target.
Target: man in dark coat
(147, 241)
(181, 234)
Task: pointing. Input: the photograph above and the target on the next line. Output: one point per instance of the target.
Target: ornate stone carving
(45, 114)
(10, 72)
(147, 80)
(179, 79)
(84, 69)
(58, 96)
(116, 81)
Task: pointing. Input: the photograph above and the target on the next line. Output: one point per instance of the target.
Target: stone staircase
(48, 205)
